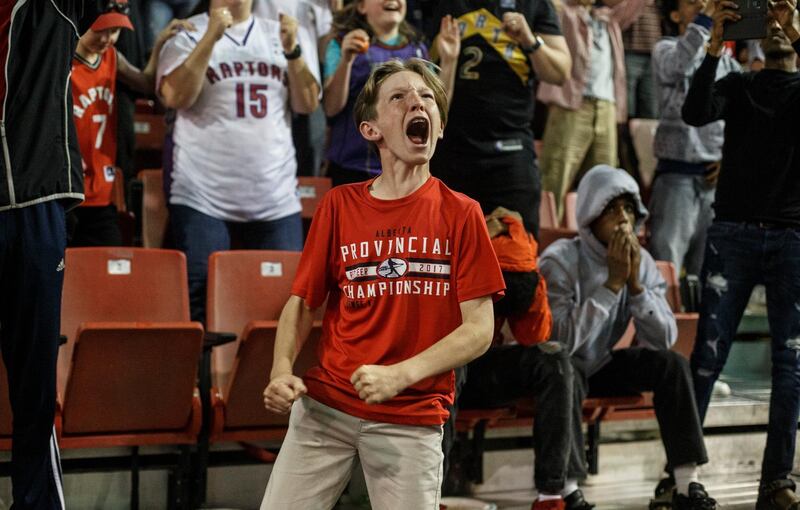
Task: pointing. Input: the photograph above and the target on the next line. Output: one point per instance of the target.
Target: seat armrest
(216, 338)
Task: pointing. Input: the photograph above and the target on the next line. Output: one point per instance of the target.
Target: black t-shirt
(760, 176)
(493, 99)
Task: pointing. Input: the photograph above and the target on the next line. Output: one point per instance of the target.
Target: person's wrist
(635, 288)
(532, 44)
(447, 59)
(715, 48)
(213, 35)
(293, 53)
(614, 286)
(404, 374)
(704, 20)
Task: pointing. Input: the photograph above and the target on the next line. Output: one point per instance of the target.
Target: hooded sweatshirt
(589, 318)
(675, 60)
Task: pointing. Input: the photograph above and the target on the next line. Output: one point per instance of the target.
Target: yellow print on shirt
(488, 26)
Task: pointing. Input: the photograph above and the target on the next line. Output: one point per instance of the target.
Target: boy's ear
(370, 132)
(675, 17)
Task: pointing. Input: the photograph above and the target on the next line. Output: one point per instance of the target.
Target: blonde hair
(364, 108)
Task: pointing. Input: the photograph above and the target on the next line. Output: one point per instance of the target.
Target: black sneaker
(663, 495)
(575, 501)
(778, 495)
(697, 499)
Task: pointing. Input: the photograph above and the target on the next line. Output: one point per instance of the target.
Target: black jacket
(40, 159)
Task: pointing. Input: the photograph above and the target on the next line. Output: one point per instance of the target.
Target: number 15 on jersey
(255, 101)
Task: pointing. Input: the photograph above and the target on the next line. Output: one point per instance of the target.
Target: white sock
(570, 486)
(684, 475)
(548, 497)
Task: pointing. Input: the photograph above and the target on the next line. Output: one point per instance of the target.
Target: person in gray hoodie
(688, 156)
(599, 281)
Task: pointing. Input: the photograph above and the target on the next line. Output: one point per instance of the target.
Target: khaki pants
(402, 463)
(575, 141)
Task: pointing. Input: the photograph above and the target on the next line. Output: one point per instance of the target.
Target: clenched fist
(282, 391)
(219, 20)
(288, 32)
(377, 383)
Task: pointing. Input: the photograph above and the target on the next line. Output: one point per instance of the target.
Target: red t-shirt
(93, 90)
(394, 273)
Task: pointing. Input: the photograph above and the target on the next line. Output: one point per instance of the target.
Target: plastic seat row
(128, 372)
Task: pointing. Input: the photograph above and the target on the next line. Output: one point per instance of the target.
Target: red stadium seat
(311, 191)
(128, 371)
(148, 126)
(548, 236)
(246, 294)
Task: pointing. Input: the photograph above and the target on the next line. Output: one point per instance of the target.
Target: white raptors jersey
(233, 157)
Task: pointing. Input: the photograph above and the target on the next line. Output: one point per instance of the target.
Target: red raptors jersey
(93, 89)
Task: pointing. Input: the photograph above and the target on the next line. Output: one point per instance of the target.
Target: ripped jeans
(738, 257)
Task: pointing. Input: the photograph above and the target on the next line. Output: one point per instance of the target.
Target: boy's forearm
(465, 343)
(294, 326)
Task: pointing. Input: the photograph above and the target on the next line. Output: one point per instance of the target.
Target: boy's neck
(399, 179)
(87, 55)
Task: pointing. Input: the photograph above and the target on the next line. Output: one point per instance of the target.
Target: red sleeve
(315, 274)
(477, 270)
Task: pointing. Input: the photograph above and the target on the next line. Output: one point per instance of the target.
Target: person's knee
(673, 365)
(555, 364)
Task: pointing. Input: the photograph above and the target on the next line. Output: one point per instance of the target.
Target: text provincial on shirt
(402, 265)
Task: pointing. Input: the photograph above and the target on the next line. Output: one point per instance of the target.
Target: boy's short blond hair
(365, 110)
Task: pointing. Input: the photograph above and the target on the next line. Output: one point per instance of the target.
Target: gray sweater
(587, 316)
(674, 61)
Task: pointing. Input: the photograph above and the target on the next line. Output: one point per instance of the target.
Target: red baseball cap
(115, 15)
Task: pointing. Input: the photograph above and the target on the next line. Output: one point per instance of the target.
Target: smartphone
(753, 24)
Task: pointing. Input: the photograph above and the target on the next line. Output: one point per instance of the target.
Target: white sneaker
(721, 389)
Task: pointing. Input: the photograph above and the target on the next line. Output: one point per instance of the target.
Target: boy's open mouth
(417, 130)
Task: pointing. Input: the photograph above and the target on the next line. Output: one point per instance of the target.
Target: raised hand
(282, 391)
(516, 26)
(288, 32)
(172, 29)
(219, 20)
(785, 13)
(354, 42)
(724, 11)
(448, 42)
